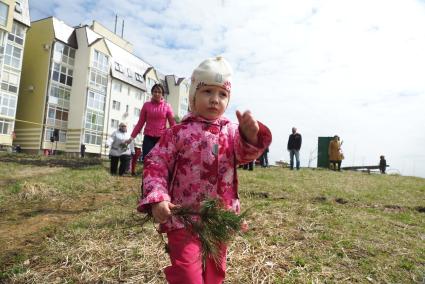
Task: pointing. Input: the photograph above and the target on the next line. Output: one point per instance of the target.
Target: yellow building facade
(14, 23)
(77, 85)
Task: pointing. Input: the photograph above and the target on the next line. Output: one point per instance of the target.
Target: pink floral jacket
(197, 159)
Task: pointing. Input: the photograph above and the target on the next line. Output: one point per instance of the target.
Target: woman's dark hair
(160, 86)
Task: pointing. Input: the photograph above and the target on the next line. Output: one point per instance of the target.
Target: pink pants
(186, 261)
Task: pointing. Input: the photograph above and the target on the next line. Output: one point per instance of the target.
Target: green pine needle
(215, 227)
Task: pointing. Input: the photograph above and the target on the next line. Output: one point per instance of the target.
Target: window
(5, 125)
(10, 82)
(57, 116)
(184, 106)
(17, 34)
(136, 112)
(94, 120)
(125, 89)
(18, 8)
(119, 67)
(64, 54)
(116, 105)
(91, 137)
(59, 95)
(13, 56)
(100, 61)
(49, 133)
(150, 84)
(138, 77)
(114, 123)
(96, 100)
(4, 10)
(118, 86)
(126, 108)
(138, 95)
(62, 74)
(98, 80)
(8, 104)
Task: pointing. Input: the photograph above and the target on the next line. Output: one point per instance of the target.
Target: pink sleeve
(170, 116)
(140, 123)
(158, 166)
(246, 152)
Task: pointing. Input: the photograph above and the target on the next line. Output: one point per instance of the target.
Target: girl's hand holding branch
(161, 211)
(248, 126)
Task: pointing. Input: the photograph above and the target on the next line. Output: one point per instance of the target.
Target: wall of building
(11, 11)
(33, 84)
(115, 38)
(78, 97)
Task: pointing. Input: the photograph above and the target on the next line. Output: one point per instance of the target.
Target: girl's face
(157, 94)
(211, 101)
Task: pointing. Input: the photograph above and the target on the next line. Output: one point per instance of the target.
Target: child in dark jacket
(382, 164)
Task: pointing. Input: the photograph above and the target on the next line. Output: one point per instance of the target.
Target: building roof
(92, 37)
(177, 81)
(64, 33)
(126, 66)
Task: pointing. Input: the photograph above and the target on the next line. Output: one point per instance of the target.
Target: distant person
(82, 150)
(264, 160)
(335, 153)
(18, 149)
(249, 166)
(382, 164)
(134, 159)
(155, 115)
(294, 146)
(120, 151)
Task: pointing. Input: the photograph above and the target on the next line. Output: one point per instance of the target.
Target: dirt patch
(57, 161)
(26, 225)
(393, 208)
(319, 199)
(256, 194)
(420, 209)
(341, 200)
(28, 173)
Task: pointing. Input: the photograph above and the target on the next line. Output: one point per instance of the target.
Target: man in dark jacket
(294, 146)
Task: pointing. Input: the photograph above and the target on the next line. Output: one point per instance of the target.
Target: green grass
(307, 226)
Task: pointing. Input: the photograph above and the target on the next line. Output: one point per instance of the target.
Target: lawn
(79, 225)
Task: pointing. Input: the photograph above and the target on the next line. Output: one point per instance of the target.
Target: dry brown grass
(36, 190)
(305, 227)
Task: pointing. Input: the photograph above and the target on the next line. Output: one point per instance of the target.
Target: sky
(354, 68)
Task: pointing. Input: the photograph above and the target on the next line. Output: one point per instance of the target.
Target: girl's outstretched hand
(161, 211)
(248, 126)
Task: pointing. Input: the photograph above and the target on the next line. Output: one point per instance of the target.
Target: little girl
(195, 160)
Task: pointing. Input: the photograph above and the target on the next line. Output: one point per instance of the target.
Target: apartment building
(78, 84)
(14, 23)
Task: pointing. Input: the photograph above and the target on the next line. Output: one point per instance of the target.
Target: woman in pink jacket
(195, 160)
(155, 114)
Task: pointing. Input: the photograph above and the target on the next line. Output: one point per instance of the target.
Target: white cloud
(353, 68)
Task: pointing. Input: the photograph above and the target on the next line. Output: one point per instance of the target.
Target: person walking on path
(196, 160)
(335, 153)
(382, 164)
(294, 146)
(155, 115)
(120, 151)
(264, 160)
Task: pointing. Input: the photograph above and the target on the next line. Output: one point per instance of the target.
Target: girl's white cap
(212, 71)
